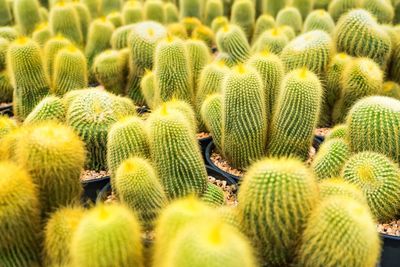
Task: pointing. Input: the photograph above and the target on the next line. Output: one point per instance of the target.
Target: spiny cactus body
(290, 16)
(64, 20)
(263, 23)
(51, 48)
(50, 108)
(334, 187)
(132, 12)
(319, 20)
(213, 9)
(232, 40)
(108, 67)
(273, 40)
(243, 15)
(214, 195)
(26, 15)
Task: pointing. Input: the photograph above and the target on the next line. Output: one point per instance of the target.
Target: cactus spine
(232, 40)
(319, 20)
(334, 187)
(290, 16)
(64, 20)
(50, 108)
(51, 48)
(108, 68)
(263, 23)
(243, 15)
(199, 55)
(26, 14)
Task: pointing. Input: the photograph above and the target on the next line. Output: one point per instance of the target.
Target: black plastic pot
(317, 141)
(92, 188)
(142, 110)
(204, 143)
(390, 256)
(7, 110)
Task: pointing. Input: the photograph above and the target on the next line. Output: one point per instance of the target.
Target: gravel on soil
(392, 228)
(4, 104)
(202, 135)
(88, 175)
(322, 131)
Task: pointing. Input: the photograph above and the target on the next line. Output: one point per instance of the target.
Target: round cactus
(232, 40)
(51, 108)
(185, 109)
(51, 49)
(337, 8)
(263, 23)
(64, 20)
(391, 89)
(378, 177)
(19, 221)
(275, 201)
(338, 187)
(381, 9)
(339, 224)
(93, 6)
(177, 30)
(394, 70)
(154, 10)
(290, 16)
(119, 38)
(190, 23)
(211, 115)
(115, 231)
(273, 41)
(339, 131)
(108, 67)
(214, 195)
(26, 15)
(243, 15)
(132, 12)
(290, 34)
(319, 20)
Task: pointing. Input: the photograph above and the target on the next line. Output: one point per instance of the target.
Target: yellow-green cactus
(108, 67)
(64, 20)
(26, 15)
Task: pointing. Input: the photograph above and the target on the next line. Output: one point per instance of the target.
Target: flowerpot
(7, 110)
(390, 256)
(317, 141)
(91, 188)
(142, 110)
(203, 144)
(104, 193)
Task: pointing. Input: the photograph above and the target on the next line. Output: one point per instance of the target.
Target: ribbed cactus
(190, 24)
(172, 71)
(381, 9)
(275, 200)
(41, 34)
(84, 18)
(5, 13)
(58, 234)
(204, 34)
(20, 221)
(93, 6)
(394, 70)
(358, 34)
(339, 131)
(123, 106)
(334, 187)
(6, 126)
(190, 8)
(91, 114)
(288, 31)
(312, 50)
(229, 215)
(6, 89)
(50, 108)
(108, 67)
(115, 18)
(26, 15)
(109, 6)
(50, 150)
(373, 125)
(290, 16)
(211, 115)
(119, 243)
(319, 20)
(177, 30)
(180, 168)
(338, 224)
(132, 12)
(154, 10)
(243, 15)
(4, 44)
(199, 55)
(232, 40)
(64, 20)
(296, 114)
(273, 40)
(171, 13)
(272, 71)
(218, 23)
(361, 77)
(27, 75)
(70, 71)
(139, 188)
(212, 10)
(304, 6)
(9, 33)
(337, 8)
(51, 48)
(147, 88)
(330, 158)
(185, 109)
(272, 7)
(214, 195)
(119, 38)
(263, 23)
(391, 89)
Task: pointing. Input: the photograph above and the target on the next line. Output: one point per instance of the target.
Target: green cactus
(6, 89)
(304, 6)
(119, 243)
(361, 77)
(51, 48)
(70, 71)
(358, 34)
(273, 40)
(331, 158)
(177, 30)
(272, 7)
(190, 8)
(312, 50)
(9, 33)
(373, 125)
(213, 9)
(243, 15)
(93, 6)
(381, 9)
(108, 68)
(334, 187)
(172, 70)
(26, 15)
(218, 23)
(290, 16)
(185, 109)
(180, 168)
(337, 8)
(4, 44)
(319, 20)
(6, 126)
(51, 150)
(338, 224)
(91, 114)
(120, 36)
(154, 10)
(199, 55)
(27, 75)
(396, 19)
(58, 234)
(391, 89)
(41, 34)
(147, 88)
(297, 112)
(50, 108)
(229, 215)
(132, 88)
(123, 106)
(263, 23)
(214, 195)
(339, 131)
(275, 200)
(20, 221)
(64, 20)
(138, 186)
(5, 13)
(115, 18)
(84, 18)
(271, 69)
(211, 115)
(204, 34)
(171, 13)
(109, 6)
(394, 70)
(210, 244)
(321, 4)
(232, 40)
(190, 24)
(290, 34)
(132, 12)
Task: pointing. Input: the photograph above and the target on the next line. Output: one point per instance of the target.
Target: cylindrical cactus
(339, 131)
(119, 38)
(304, 6)
(115, 18)
(41, 34)
(4, 44)
(218, 23)
(190, 8)
(6, 89)
(212, 10)
(64, 20)
(275, 201)
(51, 48)
(93, 6)
(263, 23)
(108, 67)
(272, 7)
(26, 15)
(290, 16)
(147, 88)
(337, 186)
(199, 55)
(204, 34)
(337, 8)
(243, 15)
(394, 70)
(273, 40)
(319, 20)
(132, 12)
(109, 6)
(51, 108)
(214, 195)
(383, 10)
(171, 13)
(232, 40)
(296, 115)
(84, 18)
(211, 114)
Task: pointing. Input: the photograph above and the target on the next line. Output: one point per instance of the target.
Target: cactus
(5, 13)
(171, 13)
(173, 77)
(296, 114)
(147, 88)
(204, 34)
(123, 106)
(391, 89)
(213, 9)
(177, 30)
(58, 234)
(276, 193)
(20, 221)
(6, 89)
(50, 108)
(319, 20)
(44, 13)
(361, 78)
(190, 8)
(190, 24)
(154, 10)
(51, 48)
(214, 195)
(304, 6)
(358, 34)
(312, 49)
(138, 186)
(271, 69)
(331, 158)
(218, 23)
(243, 15)
(211, 114)
(93, 6)
(273, 41)
(41, 34)
(290, 34)
(321, 4)
(91, 114)
(210, 244)
(229, 215)
(132, 12)
(290, 16)
(27, 75)
(180, 168)
(115, 18)
(337, 8)
(338, 224)
(272, 7)
(4, 44)
(119, 243)
(334, 187)
(186, 110)
(263, 23)
(9, 33)
(394, 70)
(109, 6)
(120, 36)
(199, 55)
(339, 131)
(232, 40)
(70, 71)
(381, 9)
(84, 18)
(6, 126)
(64, 20)
(26, 15)
(108, 68)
